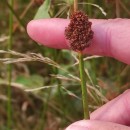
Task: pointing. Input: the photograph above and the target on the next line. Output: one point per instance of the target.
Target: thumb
(96, 125)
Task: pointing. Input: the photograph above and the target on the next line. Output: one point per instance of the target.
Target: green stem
(117, 8)
(13, 12)
(44, 111)
(83, 87)
(10, 26)
(75, 5)
(89, 8)
(9, 109)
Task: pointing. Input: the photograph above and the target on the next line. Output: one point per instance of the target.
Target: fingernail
(80, 125)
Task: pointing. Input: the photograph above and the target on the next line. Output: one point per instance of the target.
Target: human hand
(111, 37)
(115, 115)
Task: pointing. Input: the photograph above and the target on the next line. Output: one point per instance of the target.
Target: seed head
(79, 32)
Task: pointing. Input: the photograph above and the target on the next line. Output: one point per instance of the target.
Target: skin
(111, 38)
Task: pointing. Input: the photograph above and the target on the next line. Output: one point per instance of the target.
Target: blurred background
(40, 89)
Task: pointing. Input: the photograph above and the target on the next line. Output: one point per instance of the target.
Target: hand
(115, 115)
(111, 38)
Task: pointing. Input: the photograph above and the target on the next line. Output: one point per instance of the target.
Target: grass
(83, 87)
(9, 105)
(37, 99)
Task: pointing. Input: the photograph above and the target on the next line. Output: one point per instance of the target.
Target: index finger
(111, 37)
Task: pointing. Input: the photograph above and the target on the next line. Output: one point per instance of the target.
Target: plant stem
(82, 77)
(75, 5)
(117, 8)
(9, 109)
(89, 8)
(83, 87)
(44, 111)
(14, 13)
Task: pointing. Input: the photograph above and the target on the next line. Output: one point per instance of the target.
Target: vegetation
(41, 89)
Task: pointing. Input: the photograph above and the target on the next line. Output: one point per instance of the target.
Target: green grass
(9, 105)
(59, 103)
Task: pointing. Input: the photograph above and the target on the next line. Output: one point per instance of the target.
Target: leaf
(32, 81)
(43, 10)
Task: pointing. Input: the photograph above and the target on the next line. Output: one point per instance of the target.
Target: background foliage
(46, 95)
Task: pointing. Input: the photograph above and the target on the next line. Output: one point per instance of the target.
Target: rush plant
(79, 35)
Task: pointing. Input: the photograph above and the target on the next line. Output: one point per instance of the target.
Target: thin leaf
(43, 10)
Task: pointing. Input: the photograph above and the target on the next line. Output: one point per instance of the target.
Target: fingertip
(79, 125)
(96, 125)
(48, 32)
(35, 30)
(30, 28)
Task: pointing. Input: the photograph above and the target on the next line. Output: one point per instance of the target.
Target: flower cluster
(79, 32)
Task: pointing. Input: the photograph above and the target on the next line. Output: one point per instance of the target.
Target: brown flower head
(79, 32)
